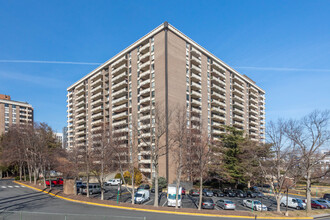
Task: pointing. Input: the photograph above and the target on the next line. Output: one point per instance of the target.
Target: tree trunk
(24, 173)
(133, 190)
(87, 184)
(177, 189)
(200, 191)
(75, 185)
(30, 173)
(249, 184)
(0, 173)
(308, 191)
(35, 177)
(20, 171)
(156, 186)
(278, 203)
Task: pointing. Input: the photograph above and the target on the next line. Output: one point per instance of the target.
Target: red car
(58, 181)
(315, 204)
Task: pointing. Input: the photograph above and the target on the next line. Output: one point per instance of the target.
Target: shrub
(162, 182)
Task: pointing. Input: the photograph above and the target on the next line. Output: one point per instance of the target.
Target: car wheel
(298, 208)
(282, 204)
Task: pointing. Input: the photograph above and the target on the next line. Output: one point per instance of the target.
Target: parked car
(143, 186)
(229, 193)
(207, 203)
(79, 184)
(218, 193)
(160, 189)
(113, 182)
(255, 204)
(315, 204)
(194, 192)
(293, 202)
(94, 188)
(56, 182)
(259, 194)
(251, 194)
(240, 193)
(324, 202)
(141, 196)
(326, 196)
(207, 192)
(226, 204)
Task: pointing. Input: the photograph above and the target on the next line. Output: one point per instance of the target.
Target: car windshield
(257, 202)
(138, 195)
(229, 202)
(173, 196)
(299, 201)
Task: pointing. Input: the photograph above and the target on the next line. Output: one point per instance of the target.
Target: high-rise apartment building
(14, 112)
(165, 66)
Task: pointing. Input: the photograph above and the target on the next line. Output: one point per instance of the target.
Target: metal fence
(17, 215)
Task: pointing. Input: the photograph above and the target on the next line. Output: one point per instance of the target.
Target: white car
(113, 182)
(255, 204)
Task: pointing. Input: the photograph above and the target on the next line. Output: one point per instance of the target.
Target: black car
(326, 196)
(218, 193)
(207, 203)
(143, 186)
(160, 189)
(240, 193)
(194, 192)
(259, 194)
(229, 193)
(251, 194)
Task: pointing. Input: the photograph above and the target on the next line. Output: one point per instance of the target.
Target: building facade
(165, 66)
(65, 137)
(14, 113)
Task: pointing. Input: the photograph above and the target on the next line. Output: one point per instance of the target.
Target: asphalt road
(14, 197)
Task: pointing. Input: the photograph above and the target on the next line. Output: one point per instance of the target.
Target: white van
(114, 182)
(141, 196)
(293, 202)
(171, 195)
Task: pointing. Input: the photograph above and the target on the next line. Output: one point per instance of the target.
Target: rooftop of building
(7, 100)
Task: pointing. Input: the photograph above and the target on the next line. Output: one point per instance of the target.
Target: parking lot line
(148, 202)
(165, 202)
(217, 208)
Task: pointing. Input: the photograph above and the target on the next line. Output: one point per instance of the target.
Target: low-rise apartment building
(14, 113)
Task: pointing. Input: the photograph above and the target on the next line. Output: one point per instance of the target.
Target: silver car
(226, 204)
(324, 202)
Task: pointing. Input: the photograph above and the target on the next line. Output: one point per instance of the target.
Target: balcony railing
(119, 70)
(119, 62)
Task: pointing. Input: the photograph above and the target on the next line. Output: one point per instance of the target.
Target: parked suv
(143, 186)
(218, 193)
(207, 192)
(251, 194)
(94, 188)
(240, 193)
(229, 193)
(326, 196)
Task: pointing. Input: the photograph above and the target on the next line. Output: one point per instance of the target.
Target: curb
(158, 211)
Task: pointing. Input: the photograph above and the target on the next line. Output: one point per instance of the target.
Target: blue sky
(283, 45)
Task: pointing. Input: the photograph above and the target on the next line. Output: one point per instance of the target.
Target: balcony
(145, 117)
(218, 111)
(251, 105)
(119, 70)
(121, 77)
(145, 109)
(81, 115)
(81, 103)
(119, 93)
(97, 115)
(97, 89)
(80, 86)
(251, 128)
(195, 94)
(218, 118)
(196, 77)
(120, 123)
(97, 122)
(196, 86)
(81, 127)
(97, 82)
(145, 170)
(145, 126)
(253, 95)
(120, 100)
(253, 117)
(196, 102)
(97, 109)
(121, 130)
(238, 99)
(218, 96)
(119, 116)
(218, 74)
(97, 102)
(80, 92)
(238, 92)
(196, 110)
(195, 69)
(237, 79)
(254, 123)
(70, 120)
(145, 100)
(145, 135)
(215, 102)
(239, 86)
(238, 118)
(238, 110)
(81, 121)
(217, 132)
(252, 111)
(145, 57)
(254, 90)
(96, 76)
(195, 52)
(218, 81)
(83, 132)
(119, 62)
(217, 88)
(81, 109)
(239, 105)
(262, 117)
(144, 48)
(217, 124)
(145, 161)
(145, 66)
(195, 61)
(96, 96)
(218, 67)
(238, 124)
(120, 108)
(145, 75)
(119, 85)
(254, 101)
(145, 83)
(145, 92)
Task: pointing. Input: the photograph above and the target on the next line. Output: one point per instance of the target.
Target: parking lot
(187, 201)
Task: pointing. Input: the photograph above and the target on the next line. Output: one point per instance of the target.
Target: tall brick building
(164, 66)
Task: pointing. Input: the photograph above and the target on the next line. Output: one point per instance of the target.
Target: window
(152, 48)
(6, 114)
(187, 97)
(153, 85)
(13, 106)
(6, 105)
(153, 94)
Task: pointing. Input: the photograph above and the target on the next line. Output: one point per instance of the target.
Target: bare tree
(180, 138)
(310, 134)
